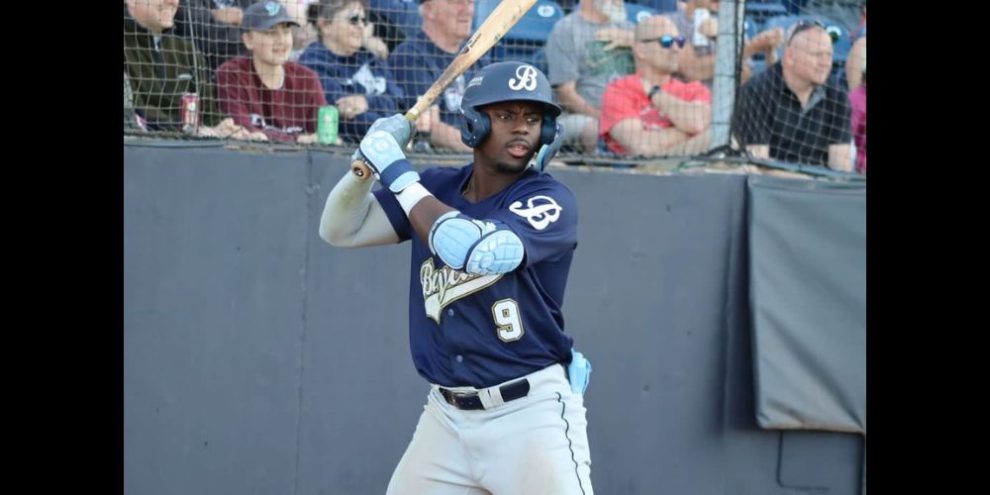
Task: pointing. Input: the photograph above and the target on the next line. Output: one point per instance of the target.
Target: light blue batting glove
(397, 125)
(387, 161)
(579, 372)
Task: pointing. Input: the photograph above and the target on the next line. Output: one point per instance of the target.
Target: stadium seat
(526, 39)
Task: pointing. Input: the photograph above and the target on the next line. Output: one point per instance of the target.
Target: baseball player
(492, 244)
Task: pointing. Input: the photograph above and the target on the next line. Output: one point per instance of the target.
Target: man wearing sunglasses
(651, 113)
(790, 113)
(586, 50)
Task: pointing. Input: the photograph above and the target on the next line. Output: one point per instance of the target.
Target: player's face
(515, 134)
(156, 15)
(270, 47)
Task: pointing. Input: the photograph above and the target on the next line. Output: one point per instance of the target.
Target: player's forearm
(476, 246)
(350, 218)
(425, 213)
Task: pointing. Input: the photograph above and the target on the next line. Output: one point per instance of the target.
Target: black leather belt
(510, 391)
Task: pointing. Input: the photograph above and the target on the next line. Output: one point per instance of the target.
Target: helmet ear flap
(548, 131)
(475, 127)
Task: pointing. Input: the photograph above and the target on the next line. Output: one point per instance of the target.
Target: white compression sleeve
(352, 217)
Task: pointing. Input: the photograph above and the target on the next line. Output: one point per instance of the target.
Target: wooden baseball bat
(499, 22)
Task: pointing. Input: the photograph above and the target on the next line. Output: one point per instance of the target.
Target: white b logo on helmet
(525, 78)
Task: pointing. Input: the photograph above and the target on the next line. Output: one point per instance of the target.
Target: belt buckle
(453, 398)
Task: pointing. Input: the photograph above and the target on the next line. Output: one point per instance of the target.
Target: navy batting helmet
(506, 81)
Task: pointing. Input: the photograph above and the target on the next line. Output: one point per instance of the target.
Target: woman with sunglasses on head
(353, 79)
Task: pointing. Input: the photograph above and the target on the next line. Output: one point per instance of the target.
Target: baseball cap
(263, 15)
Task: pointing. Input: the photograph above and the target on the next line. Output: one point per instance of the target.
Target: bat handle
(360, 168)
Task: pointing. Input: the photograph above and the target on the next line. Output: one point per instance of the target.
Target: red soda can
(190, 111)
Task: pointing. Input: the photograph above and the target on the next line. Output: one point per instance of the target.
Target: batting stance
(492, 244)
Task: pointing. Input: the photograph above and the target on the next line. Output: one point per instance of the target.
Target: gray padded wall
(213, 298)
(256, 363)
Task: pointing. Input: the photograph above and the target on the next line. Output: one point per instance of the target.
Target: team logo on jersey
(540, 211)
(526, 75)
(445, 285)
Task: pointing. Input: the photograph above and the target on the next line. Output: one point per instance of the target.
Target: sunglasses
(804, 25)
(355, 19)
(668, 41)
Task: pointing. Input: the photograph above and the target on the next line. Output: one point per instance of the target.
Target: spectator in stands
(788, 113)
(358, 84)
(162, 67)
(265, 92)
(856, 63)
(651, 113)
(306, 12)
(586, 50)
(214, 26)
(698, 23)
(305, 33)
(396, 20)
(131, 121)
(857, 100)
(422, 58)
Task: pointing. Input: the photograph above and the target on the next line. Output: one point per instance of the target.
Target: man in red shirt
(650, 113)
(266, 92)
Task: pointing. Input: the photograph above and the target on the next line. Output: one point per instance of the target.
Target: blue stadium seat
(841, 47)
(660, 6)
(526, 39)
(761, 11)
(750, 27)
(539, 60)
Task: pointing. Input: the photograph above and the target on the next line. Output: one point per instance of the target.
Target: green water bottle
(326, 126)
